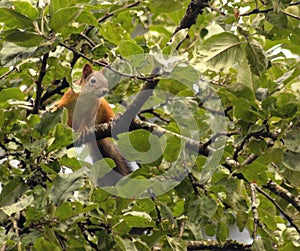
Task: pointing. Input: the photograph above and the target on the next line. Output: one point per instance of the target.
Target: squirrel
(94, 108)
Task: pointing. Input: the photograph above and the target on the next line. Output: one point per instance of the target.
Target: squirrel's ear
(103, 70)
(86, 71)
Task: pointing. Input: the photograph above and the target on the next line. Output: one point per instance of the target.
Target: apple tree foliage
(243, 53)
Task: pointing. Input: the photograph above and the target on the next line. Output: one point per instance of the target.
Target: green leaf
(245, 76)
(87, 17)
(256, 172)
(64, 17)
(292, 140)
(279, 20)
(12, 54)
(219, 52)
(48, 122)
(177, 39)
(178, 209)
(42, 244)
(64, 211)
(241, 220)
(210, 230)
(71, 163)
(65, 185)
(172, 149)
(15, 19)
(258, 245)
(12, 191)
(245, 111)
(257, 146)
(173, 243)
(125, 244)
(268, 210)
(185, 74)
(165, 6)
(114, 33)
(21, 204)
(23, 38)
(198, 208)
(63, 137)
(291, 160)
(129, 47)
(222, 232)
(286, 104)
(56, 5)
(292, 176)
(140, 145)
(26, 9)
(256, 57)
(138, 219)
(144, 205)
(241, 91)
(10, 93)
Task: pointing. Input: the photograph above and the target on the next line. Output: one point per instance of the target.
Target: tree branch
(289, 219)
(39, 88)
(13, 68)
(108, 15)
(254, 211)
(104, 64)
(257, 11)
(194, 8)
(283, 193)
(229, 245)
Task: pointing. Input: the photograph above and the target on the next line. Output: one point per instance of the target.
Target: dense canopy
(213, 91)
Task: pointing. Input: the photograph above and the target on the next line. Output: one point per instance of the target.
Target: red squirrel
(94, 108)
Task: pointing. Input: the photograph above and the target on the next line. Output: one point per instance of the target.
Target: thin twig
(289, 219)
(291, 15)
(108, 15)
(213, 138)
(258, 11)
(194, 184)
(254, 211)
(250, 159)
(104, 64)
(8, 72)
(181, 229)
(283, 193)
(86, 236)
(39, 88)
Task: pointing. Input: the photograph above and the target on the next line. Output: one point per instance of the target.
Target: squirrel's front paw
(54, 108)
(83, 130)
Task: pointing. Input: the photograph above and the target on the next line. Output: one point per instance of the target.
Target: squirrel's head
(93, 83)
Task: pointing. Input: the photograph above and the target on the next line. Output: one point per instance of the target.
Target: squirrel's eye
(93, 81)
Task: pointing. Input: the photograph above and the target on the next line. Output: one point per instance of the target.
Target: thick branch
(104, 131)
(122, 123)
(194, 8)
(229, 245)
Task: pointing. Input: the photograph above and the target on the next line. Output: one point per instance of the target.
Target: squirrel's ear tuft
(86, 71)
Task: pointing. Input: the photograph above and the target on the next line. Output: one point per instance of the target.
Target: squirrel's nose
(104, 92)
